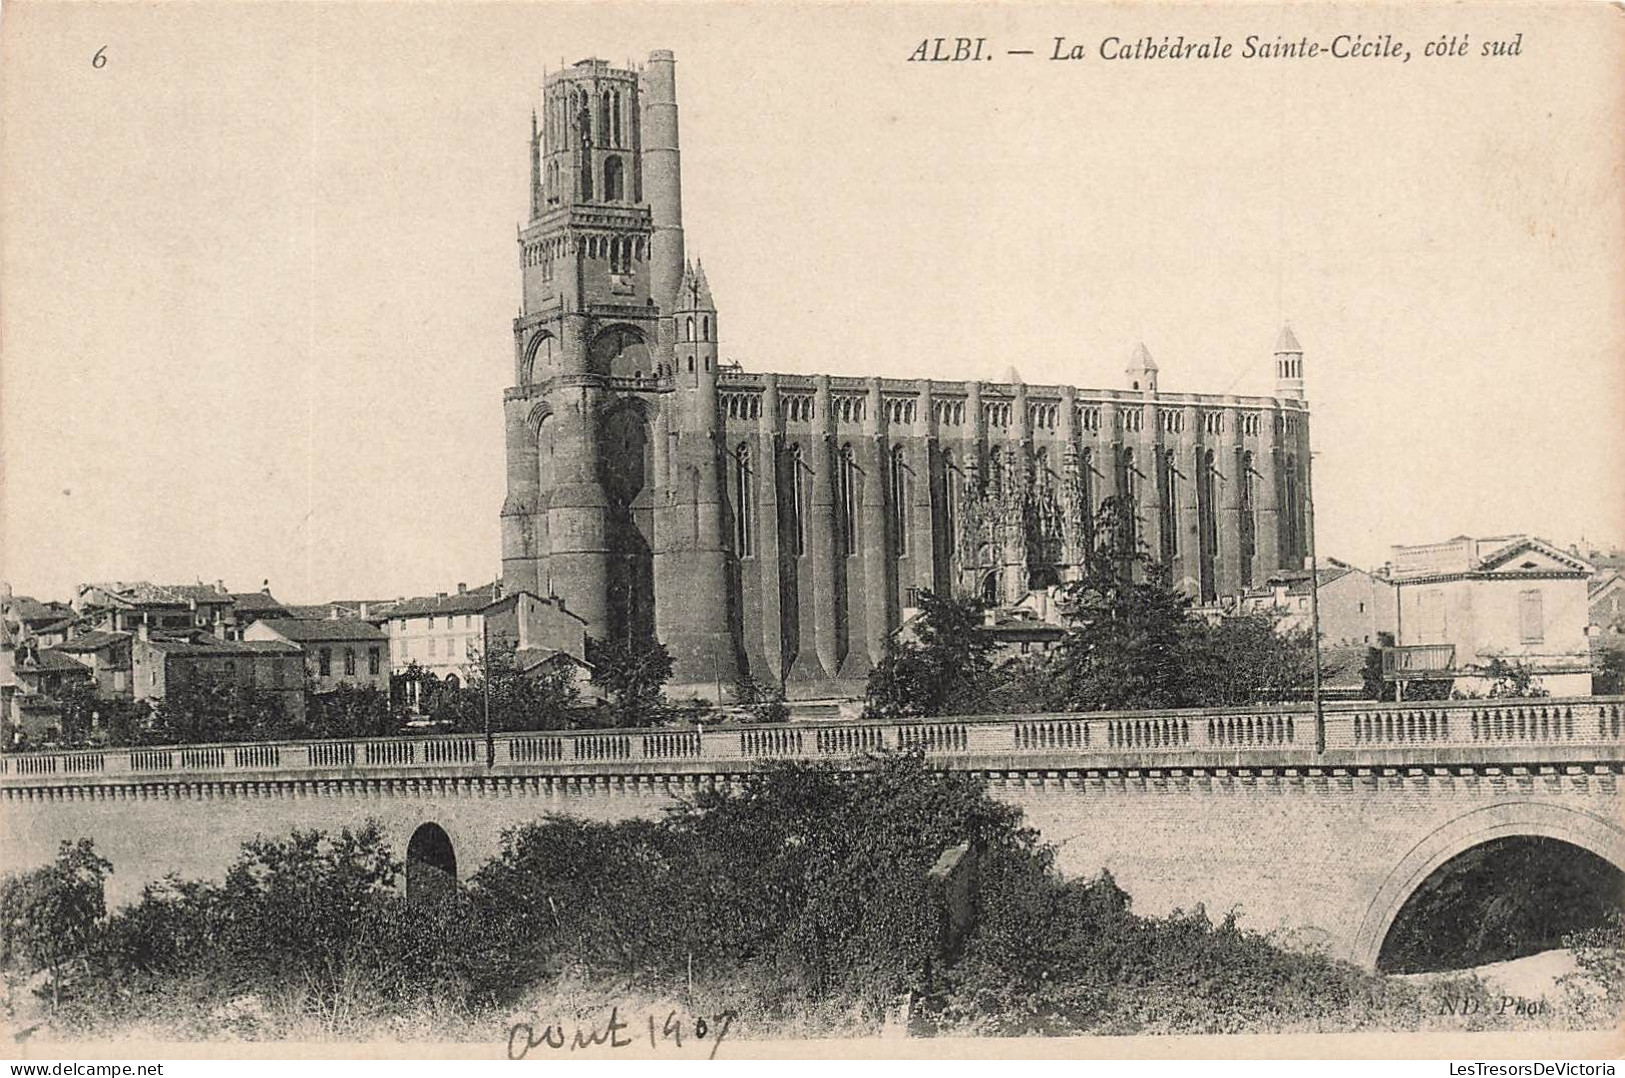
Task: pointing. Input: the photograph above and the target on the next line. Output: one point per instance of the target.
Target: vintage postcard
(897, 530)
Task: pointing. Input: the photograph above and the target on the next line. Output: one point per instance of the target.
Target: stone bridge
(1229, 808)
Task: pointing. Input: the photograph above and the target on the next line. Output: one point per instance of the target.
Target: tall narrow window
(846, 479)
(1249, 533)
(1168, 495)
(1086, 490)
(798, 499)
(899, 501)
(324, 662)
(1293, 532)
(1207, 526)
(744, 504)
(372, 661)
(615, 118)
(349, 662)
(1128, 493)
(995, 472)
(1531, 617)
(951, 490)
(614, 179)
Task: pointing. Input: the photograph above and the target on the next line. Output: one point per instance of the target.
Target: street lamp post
(485, 684)
(1314, 601)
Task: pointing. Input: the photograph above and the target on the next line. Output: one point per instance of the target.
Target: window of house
(231, 670)
(372, 661)
(432, 643)
(324, 662)
(349, 662)
(1531, 617)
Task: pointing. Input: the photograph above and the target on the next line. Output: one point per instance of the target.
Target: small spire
(1140, 358)
(1287, 341)
(706, 303)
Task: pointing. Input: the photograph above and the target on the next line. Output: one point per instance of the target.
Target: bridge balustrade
(1271, 735)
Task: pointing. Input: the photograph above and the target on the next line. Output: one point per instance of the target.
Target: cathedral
(782, 526)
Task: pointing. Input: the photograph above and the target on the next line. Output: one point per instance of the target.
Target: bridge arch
(431, 864)
(1595, 834)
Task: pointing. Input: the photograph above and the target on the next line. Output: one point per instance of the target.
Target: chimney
(333, 612)
(439, 595)
(462, 588)
(220, 586)
(363, 611)
(142, 631)
(265, 588)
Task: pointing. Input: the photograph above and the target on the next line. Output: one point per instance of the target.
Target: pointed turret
(703, 288)
(1288, 365)
(1142, 369)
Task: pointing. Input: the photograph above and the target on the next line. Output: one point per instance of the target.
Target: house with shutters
(339, 652)
(1462, 604)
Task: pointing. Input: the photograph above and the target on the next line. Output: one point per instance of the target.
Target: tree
(540, 700)
(1372, 684)
(633, 673)
(1609, 679)
(1125, 646)
(944, 670)
(763, 703)
(79, 711)
(350, 711)
(208, 707)
(1245, 659)
(1514, 679)
(49, 917)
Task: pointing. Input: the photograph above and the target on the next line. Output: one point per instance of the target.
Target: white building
(1464, 603)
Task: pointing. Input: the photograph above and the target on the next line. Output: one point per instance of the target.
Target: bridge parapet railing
(1289, 730)
(1475, 723)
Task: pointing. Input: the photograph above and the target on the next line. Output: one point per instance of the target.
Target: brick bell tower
(612, 451)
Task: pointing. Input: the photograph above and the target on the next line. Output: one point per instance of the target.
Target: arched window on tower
(705, 327)
(744, 502)
(688, 331)
(995, 472)
(603, 119)
(615, 118)
(952, 490)
(899, 502)
(846, 481)
(614, 179)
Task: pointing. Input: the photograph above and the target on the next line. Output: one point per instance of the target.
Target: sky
(259, 268)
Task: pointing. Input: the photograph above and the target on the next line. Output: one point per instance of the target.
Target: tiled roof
(256, 600)
(146, 593)
(50, 660)
(349, 608)
(306, 631)
(471, 601)
(528, 659)
(25, 608)
(204, 644)
(92, 641)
